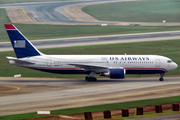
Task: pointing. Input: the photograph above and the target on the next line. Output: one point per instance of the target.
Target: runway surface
(50, 94)
(107, 39)
(52, 12)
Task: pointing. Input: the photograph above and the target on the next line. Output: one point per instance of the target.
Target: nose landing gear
(161, 78)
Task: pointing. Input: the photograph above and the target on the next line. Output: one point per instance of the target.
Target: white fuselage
(82, 64)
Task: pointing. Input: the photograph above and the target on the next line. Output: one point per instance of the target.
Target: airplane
(113, 66)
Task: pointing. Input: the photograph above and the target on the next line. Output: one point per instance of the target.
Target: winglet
(21, 45)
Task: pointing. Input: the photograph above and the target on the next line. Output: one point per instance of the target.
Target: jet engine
(116, 73)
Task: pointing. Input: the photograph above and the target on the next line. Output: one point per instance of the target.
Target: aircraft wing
(87, 67)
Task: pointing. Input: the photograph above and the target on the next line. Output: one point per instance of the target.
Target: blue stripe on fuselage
(81, 71)
(144, 71)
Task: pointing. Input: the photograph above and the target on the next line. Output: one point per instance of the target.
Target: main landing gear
(91, 77)
(161, 78)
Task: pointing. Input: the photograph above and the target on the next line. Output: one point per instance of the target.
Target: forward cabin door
(49, 63)
(107, 63)
(157, 63)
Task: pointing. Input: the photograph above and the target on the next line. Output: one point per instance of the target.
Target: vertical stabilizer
(21, 45)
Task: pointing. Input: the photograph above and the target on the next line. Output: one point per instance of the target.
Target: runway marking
(48, 14)
(16, 88)
(27, 15)
(70, 14)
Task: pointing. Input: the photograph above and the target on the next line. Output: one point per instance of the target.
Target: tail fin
(21, 45)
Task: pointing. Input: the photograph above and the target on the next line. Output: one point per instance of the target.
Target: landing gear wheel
(89, 79)
(94, 79)
(161, 79)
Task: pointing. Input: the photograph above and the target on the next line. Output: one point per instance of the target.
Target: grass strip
(21, 116)
(98, 108)
(146, 114)
(136, 11)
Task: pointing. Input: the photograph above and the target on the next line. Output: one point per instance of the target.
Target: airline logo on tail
(21, 45)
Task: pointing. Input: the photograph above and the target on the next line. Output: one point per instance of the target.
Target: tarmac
(23, 95)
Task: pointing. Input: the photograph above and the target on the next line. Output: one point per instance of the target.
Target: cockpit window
(169, 61)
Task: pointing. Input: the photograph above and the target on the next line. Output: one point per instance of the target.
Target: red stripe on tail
(9, 27)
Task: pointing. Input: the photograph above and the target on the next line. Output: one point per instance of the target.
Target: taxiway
(50, 94)
(54, 12)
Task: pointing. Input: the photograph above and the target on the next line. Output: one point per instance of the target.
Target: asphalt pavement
(51, 12)
(69, 93)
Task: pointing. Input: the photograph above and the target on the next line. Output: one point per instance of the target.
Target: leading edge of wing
(95, 68)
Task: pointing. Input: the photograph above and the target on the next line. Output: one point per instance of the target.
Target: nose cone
(173, 66)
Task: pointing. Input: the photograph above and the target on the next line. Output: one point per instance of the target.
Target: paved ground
(77, 14)
(31, 95)
(59, 13)
(18, 15)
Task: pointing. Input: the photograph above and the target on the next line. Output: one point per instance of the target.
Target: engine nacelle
(118, 73)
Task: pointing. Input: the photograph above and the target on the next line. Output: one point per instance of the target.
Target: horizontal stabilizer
(17, 61)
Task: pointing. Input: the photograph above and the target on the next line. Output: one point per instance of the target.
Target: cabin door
(157, 63)
(49, 63)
